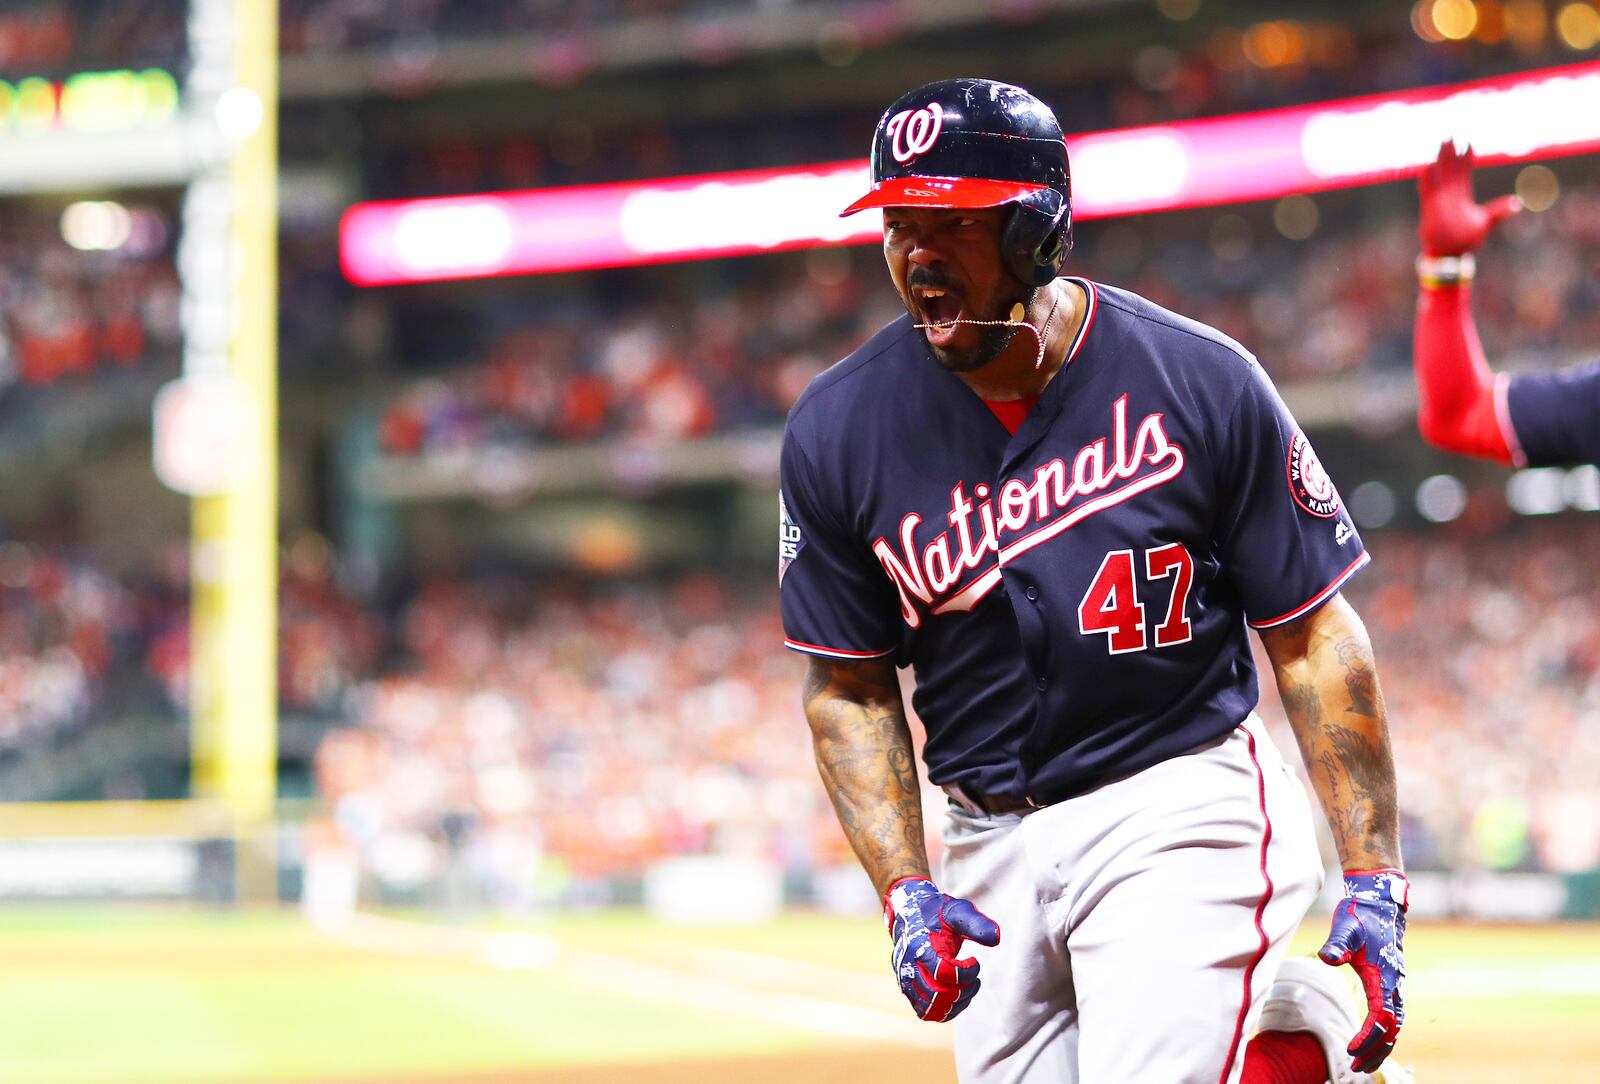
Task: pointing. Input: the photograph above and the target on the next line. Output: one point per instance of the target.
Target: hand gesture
(1452, 223)
(1368, 926)
(928, 928)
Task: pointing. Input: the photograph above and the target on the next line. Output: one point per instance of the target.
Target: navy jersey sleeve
(1555, 417)
(1285, 539)
(834, 599)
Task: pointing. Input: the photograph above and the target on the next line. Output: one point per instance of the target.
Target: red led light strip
(1537, 114)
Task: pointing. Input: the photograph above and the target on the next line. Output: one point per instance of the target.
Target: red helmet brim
(941, 193)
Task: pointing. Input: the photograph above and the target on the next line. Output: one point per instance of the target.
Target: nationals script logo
(914, 131)
(1103, 474)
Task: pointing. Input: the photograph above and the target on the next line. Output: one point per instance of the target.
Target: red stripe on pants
(1261, 907)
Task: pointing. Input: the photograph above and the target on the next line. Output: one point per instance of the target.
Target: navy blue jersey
(1554, 417)
(1073, 599)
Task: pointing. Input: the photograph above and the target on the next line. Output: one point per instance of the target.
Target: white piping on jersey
(1088, 318)
(1502, 415)
(1319, 598)
(834, 652)
(922, 578)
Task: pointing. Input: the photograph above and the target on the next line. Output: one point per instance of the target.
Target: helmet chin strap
(1016, 320)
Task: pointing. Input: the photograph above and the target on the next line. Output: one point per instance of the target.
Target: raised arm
(1461, 404)
(863, 749)
(1329, 683)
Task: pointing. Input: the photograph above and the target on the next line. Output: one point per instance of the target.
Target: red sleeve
(1461, 404)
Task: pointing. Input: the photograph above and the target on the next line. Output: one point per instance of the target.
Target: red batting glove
(1452, 223)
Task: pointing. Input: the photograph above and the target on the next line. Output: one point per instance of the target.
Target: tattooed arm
(1323, 663)
(863, 749)
(1330, 690)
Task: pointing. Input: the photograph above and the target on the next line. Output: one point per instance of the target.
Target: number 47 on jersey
(1112, 606)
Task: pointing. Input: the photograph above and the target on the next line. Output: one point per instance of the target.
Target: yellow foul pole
(235, 564)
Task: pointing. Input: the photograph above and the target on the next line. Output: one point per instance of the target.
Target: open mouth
(940, 310)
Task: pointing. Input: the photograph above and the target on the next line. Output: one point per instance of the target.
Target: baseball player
(1060, 505)
(1532, 419)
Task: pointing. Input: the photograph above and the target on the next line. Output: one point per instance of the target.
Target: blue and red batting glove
(928, 928)
(1368, 926)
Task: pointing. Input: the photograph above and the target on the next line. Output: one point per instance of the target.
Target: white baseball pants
(1141, 923)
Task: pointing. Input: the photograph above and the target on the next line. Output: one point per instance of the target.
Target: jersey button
(1042, 684)
(1032, 593)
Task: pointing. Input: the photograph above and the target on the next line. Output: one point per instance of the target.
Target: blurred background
(390, 396)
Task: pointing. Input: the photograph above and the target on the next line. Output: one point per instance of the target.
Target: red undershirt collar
(1011, 411)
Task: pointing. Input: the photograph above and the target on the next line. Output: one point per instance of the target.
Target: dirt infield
(845, 1067)
(1563, 1063)
(849, 1067)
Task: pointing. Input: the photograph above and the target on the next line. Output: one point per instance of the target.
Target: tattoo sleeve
(1329, 684)
(863, 749)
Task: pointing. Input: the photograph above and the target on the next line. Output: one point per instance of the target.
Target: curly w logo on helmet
(913, 132)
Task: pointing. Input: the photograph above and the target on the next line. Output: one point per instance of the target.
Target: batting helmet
(978, 143)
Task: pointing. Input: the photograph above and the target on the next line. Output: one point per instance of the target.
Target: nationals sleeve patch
(1312, 488)
(789, 540)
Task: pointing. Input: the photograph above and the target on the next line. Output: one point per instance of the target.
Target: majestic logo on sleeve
(789, 540)
(1103, 474)
(913, 132)
(1312, 488)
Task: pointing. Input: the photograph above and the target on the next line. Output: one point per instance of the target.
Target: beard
(991, 340)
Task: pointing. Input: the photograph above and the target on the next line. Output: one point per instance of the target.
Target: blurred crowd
(677, 367)
(51, 34)
(596, 729)
(1341, 299)
(563, 732)
(1177, 76)
(53, 38)
(57, 622)
(327, 639)
(1236, 60)
(583, 731)
(75, 642)
(335, 26)
(83, 644)
(66, 313)
(1488, 649)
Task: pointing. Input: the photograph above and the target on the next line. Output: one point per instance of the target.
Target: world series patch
(789, 540)
(1312, 488)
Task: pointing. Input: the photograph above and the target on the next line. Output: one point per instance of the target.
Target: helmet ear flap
(1038, 236)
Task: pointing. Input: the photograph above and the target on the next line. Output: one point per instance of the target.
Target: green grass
(820, 939)
(175, 996)
(166, 996)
